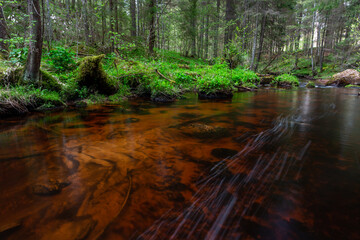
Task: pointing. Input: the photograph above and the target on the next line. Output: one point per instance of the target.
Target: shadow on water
(266, 165)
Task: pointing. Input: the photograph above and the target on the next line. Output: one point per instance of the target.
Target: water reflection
(271, 164)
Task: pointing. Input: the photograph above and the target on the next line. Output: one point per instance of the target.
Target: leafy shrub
(215, 81)
(241, 76)
(62, 59)
(182, 78)
(285, 80)
(18, 56)
(163, 87)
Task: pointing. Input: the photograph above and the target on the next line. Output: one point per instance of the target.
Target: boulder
(265, 78)
(204, 131)
(349, 76)
(49, 188)
(93, 76)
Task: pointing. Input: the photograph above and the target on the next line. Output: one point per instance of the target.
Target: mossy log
(93, 76)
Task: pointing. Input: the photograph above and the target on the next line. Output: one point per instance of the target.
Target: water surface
(265, 165)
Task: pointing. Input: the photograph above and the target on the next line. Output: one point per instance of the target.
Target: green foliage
(352, 86)
(161, 88)
(21, 99)
(18, 56)
(217, 80)
(61, 59)
(310, 85)
(242, 76)
(49, 82)
(286, 80)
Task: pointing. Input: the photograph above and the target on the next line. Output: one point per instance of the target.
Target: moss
(47, 81)
(286, 80)
(93, 76)
(13, 76)
(352, 86)
(310, 85)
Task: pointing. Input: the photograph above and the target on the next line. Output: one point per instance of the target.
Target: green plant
(352, 86)
(215, 82)
(18, 56)
(61, 59)
(310, 85)
(286, 80)
(242, 76)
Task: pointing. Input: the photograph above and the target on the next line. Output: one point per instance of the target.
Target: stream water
(272, 164)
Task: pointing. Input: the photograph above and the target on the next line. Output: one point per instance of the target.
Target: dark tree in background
(152, 30)
(32, 68)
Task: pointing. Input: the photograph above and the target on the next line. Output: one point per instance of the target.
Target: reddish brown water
(265, 165)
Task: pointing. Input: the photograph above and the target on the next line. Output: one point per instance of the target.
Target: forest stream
(271, 164)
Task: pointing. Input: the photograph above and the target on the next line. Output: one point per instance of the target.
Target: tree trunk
(112, 25)
(297, 42)
(86, 22)
(262, 33)
(193, 26)
(254, 42)
(48, 27)
(4, 35)
(133, 17)
(312, 43)
(116, 17)
(230, 17)
(152, 32)
(207, 36)
(32, 69)
(216, 38)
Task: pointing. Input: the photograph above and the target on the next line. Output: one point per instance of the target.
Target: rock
(310, 85)
(203, 131)
(349, 76)
(266, 78)
(52, 187)
(216, 95)
(93, 76)
(81, 104)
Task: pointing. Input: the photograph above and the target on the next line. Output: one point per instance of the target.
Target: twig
(161, 75)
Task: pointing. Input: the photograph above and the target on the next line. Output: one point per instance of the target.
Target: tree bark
(216, 37)
(86, 22)
(193, 26)
(152, 32)
(312, 43)
(254, 42)
(262, 33)
(4, 35)
(133, 17)
(230, 17)
(32, 69)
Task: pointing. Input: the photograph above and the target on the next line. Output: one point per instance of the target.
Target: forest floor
(67, 79)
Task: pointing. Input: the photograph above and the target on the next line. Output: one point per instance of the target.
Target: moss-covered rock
(310, 85)
(204, 131)
(347, 77)
(47, 81)
(93, 76)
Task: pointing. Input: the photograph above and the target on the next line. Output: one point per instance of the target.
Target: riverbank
(70, 80)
